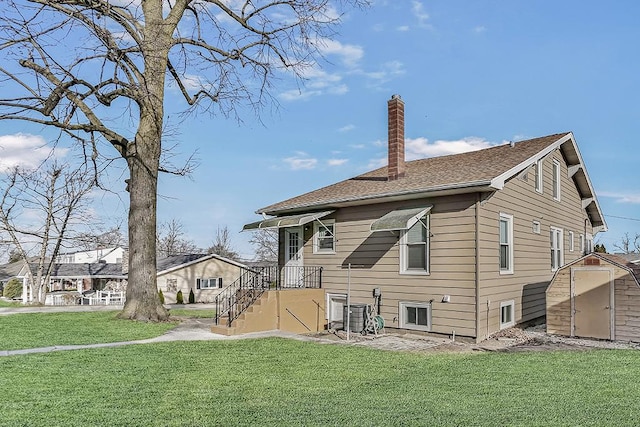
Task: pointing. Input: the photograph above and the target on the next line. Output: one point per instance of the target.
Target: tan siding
(532, 257)
(375, 262)
(186, 279)
(626, 303)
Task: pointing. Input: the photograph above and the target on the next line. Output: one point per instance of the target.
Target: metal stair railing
(233, 300)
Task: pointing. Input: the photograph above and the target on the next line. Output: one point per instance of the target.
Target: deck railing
(252, 283)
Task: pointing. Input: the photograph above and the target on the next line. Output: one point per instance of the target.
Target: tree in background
(600, 248)
(39, 212)
(99, 238)
(172, 240)
(628, 244)
(265, 244)
(97, 70)
(222, 245)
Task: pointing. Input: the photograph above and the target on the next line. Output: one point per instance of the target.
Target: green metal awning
(286, 221)
(400, 219)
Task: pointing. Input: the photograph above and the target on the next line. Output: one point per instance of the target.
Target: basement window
(507, 318)
(415, 315)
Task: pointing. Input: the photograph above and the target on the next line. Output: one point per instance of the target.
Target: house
(205, 274)
(111, 255)
(462, 244)
(596, 296)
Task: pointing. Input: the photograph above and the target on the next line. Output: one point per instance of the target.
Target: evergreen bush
(179, 298)
(161, 296)
(192, 297)
(13, 289)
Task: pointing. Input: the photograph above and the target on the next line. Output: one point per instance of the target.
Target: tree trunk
(142, 301)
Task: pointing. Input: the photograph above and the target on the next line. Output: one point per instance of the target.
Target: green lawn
(285, 382)
(6, 303)
(31, 330)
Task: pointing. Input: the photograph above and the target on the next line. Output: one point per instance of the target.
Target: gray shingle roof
(166, 263)
(104, 270)
(431, 174)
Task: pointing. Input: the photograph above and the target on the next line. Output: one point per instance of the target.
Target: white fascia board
(499, 181)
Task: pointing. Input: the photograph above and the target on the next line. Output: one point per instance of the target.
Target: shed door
(592, 303)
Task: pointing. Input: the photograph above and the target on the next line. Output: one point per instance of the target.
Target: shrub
(161, 296)
(13, 289)
(192, 297)
(179, 298)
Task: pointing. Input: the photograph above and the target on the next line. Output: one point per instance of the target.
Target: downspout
(477, 269)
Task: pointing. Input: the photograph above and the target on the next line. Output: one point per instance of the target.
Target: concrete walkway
(193, 329)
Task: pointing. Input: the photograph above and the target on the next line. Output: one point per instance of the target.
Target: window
(507, 318)
(211, 283)
(571, 247)
(415, 315)
(556, 248)
(414, 248)
(172, 285)
(589, 247)
(582, 243)
(556, 179)
(539, 176)
(536, 227)
(506, 244)
(324, 239)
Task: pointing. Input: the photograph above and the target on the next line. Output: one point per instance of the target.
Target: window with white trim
(536, 227)
(210, 283)
(582, 243)
(506, 243)
(589, 248)
(324, 238)
(556, 180)
(507, 314)
(571, 246)
(414, 248)
(415, 315)
(539, 176)
(557, 258)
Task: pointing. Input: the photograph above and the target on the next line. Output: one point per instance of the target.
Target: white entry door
(293, 257)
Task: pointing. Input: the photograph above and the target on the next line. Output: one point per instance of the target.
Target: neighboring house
(13, 270)
(112, 255)
(462, 244)
(206, 274)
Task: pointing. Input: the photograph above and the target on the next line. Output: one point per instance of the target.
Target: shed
(596, 296)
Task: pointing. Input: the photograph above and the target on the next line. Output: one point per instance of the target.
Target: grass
(32, 330)
(7, 303)
(285, 382)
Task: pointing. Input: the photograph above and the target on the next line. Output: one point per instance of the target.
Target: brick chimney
(396, 166)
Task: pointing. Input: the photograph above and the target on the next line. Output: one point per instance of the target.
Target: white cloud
(417, 9)
(349, 54)
(318, 82)
(631, 198)
(337, 162)
(358, 146)
(25, 150)
(419, 148)
(301, 161)
(377, 163)
(402, 28)
(347, 128)
(480, 29)
(387, 71)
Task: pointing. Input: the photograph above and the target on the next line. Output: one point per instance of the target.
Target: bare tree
(38, 212)
(222, 244)
(265, 243)
(171, 240)
(628, 244)
(101, 238)
(68, 64)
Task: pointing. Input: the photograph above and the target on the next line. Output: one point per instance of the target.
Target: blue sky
(471, 74)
